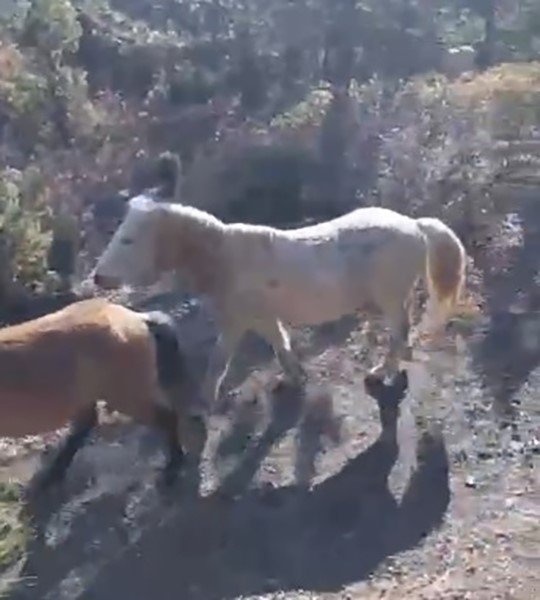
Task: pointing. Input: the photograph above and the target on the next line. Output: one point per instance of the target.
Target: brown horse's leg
(82, 426)
(166, 419)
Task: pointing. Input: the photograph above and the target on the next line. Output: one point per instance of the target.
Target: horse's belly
(32, 412)
(311, 305)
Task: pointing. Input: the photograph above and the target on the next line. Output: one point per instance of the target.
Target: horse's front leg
(219, 364)
(369, 335)
(278, 336)
(82, 426)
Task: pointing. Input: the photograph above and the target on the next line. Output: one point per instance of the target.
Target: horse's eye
(126, 241)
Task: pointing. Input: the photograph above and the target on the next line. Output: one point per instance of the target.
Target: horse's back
(356, 245)
(64, 323)
(54, 366)
(89, 350)
(323, 271)
(359, 219)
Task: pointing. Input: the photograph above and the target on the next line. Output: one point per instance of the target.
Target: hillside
(285, 113)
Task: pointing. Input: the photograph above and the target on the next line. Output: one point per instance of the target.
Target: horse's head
(130, 257)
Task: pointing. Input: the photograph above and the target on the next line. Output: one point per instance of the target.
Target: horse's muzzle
(105, 282)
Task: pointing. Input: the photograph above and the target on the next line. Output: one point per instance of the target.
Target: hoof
(285, 382)
(172, 469)
(374, 384)
(395, 389)
(408, 354)
(279, 384)
(167, 481)
(385, 372)
(297, 379)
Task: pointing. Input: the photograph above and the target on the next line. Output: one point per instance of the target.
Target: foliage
(309, 112)
(437, 160)
(269, 190)
(251, 177)
(23, 224)
(23, 94)
(63, 250)
(71, 89)
(509, 92)
(13, 532)
(279, 110)
(52, 26)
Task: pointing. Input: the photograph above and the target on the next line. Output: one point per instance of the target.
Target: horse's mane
(197, 215)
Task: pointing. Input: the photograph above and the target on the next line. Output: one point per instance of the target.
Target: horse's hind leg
(166, 419)
(82, 426)
(219, 364)
(278, 336)
(399, 320)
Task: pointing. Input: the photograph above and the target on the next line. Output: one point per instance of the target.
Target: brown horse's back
(52, 366)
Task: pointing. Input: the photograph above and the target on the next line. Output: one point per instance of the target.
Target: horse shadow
(309, 409)
(510, 349)
(240, 540)
(198, 333)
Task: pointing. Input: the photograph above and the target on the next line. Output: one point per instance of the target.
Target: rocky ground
(306, 495)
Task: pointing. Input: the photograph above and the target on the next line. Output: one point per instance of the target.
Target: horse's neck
(201, 255)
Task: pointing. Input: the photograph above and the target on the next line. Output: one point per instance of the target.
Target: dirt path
(308, 496)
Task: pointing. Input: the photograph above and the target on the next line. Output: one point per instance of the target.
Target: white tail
(445, 268)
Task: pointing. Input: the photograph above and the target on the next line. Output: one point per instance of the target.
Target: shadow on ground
(242, 540)
(510, 350)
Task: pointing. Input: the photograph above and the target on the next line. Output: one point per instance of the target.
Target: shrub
(52, 26)
(306, 114)
(23, 97)
(254, 178)
(509, 95)
(14, 532)
(440, 153)
(269, 186)
(65, 245)
(24, 234)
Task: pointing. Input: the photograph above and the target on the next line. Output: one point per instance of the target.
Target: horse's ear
(169, 174)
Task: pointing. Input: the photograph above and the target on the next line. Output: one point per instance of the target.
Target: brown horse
(55, 369)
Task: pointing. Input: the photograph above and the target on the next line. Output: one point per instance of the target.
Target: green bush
(308, 113)
(14, 532)
(24, 98)
(24, 234)
(52, 26)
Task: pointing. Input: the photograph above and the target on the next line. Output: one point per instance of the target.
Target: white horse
(266, 279)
